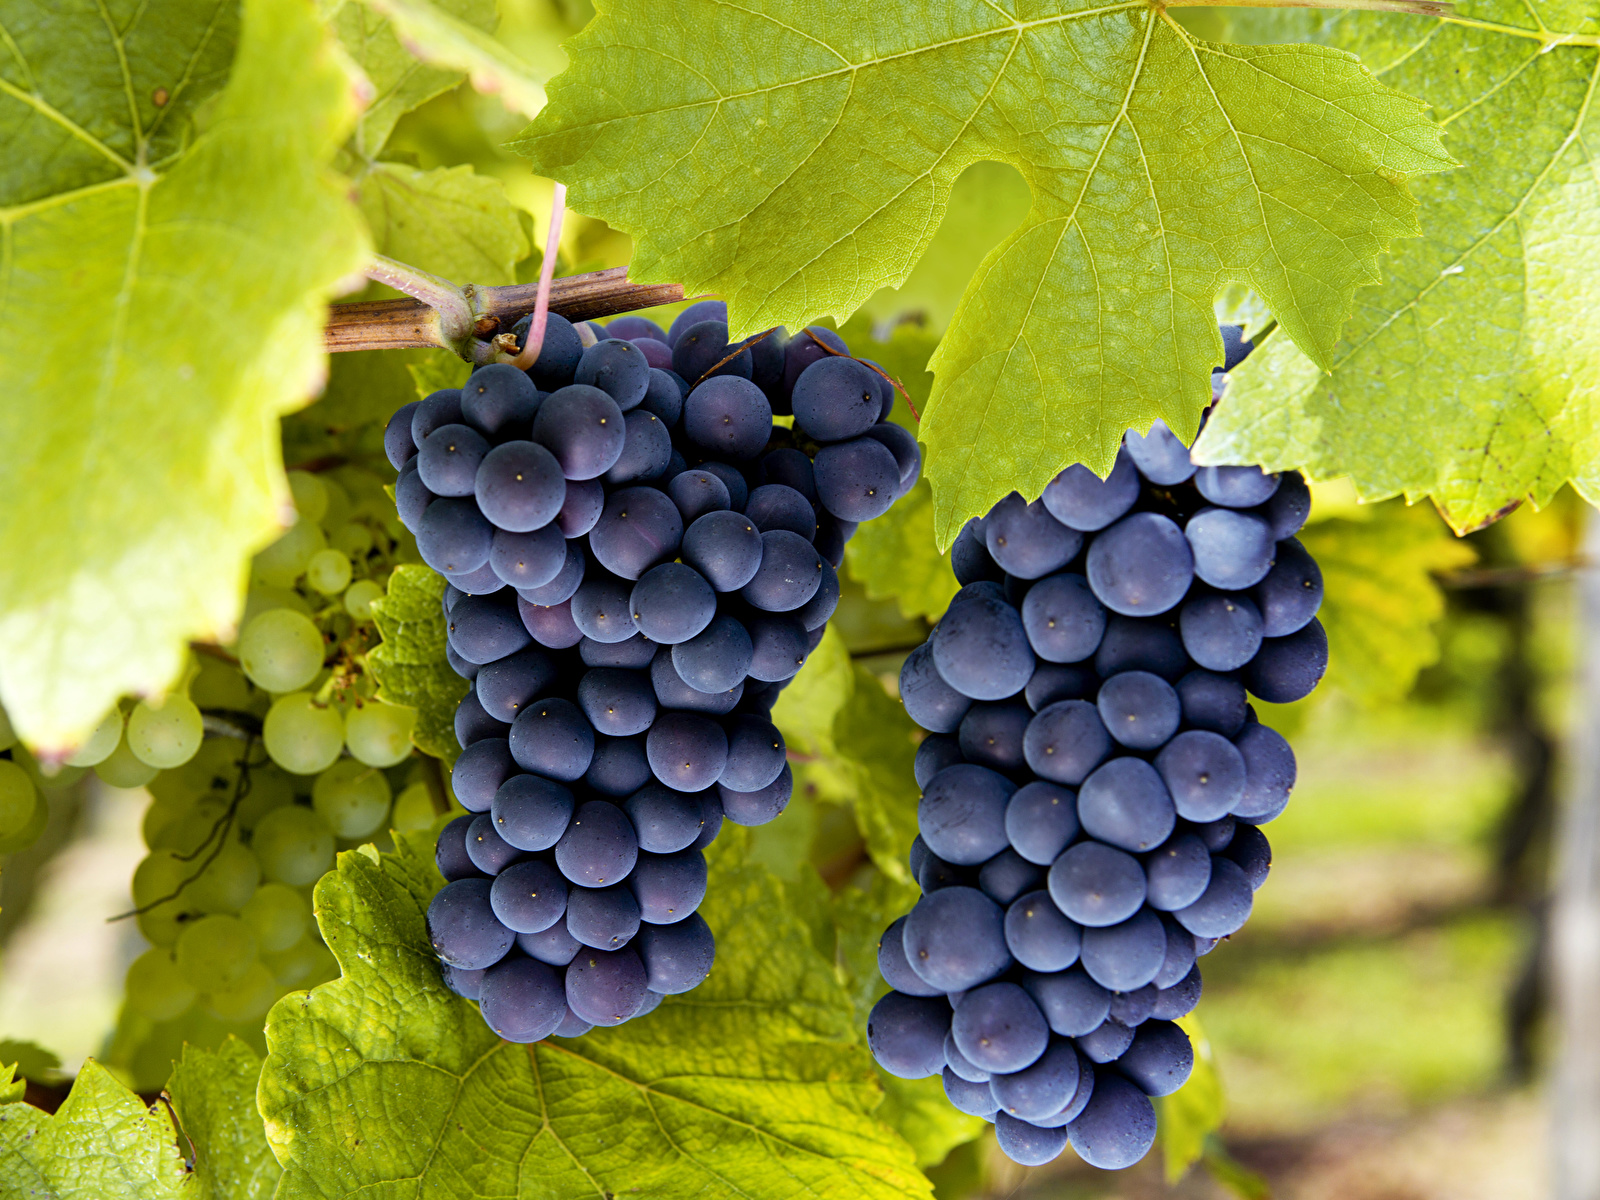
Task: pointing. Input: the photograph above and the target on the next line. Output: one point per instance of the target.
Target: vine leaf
(753, 1084)
(214, 1096)
(1161, 167)
(148, 450)
(1472, 373)
(410, 665)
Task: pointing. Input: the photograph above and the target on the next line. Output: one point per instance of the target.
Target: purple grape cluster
(639, 559)
(1093, 783)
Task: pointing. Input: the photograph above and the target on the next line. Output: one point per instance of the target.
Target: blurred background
(1382, 1027)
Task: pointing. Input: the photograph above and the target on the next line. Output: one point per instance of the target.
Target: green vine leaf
(214, 1096)
(1472, 373)
(1161, 168)
(150, 449)
(450, 221)
(753, 1084)
(410, 665)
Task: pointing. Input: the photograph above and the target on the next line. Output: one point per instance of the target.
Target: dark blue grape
(672, 603)
(1125, 804)
(411, 496)
(991, 735)
(1028, 1144)
(955, 939)
(906, 1034)
(665, 821)
(646, 449)
(437, 408)
(1050, 683)
(398, 447)
(1218, 834)
(1221, 631)
(1212, 702)
(1179, 960)
(959, 1063)
(716, 659)
(699, 351)
(756, 754)
(701, 310)
(1253, 854)
(778, 506)
(934, 753)
(489, 852)
(599, 848)
(1232, 550)
(519, 486)
(766, 359)
(1041, 821)
(790, 573)
(857, 480)
(583, 428)
(554, 945)
(1269, 774)
(483, 630)
(1041, 1089)
(479, 772)
(639, 528)
(733, 480)
(728, 416)
(531, 812)
(1236, 487)
(1141, 566)
(1131, 644)
(1291, 593)
(1080, 1099)
(552, 738)
(668, 887)
(630, 327)
(1008, 875)
(551, 625)
(687, 751)
(1204, 774)
(1097, 885)
(1159, 455)
(561, 588)
(962, 814)
(760, 805)
(832, 534)
(635, 652)
(1081, 500)
(559, 352)
(1117, 1127)
(1176, 874)
(1289, 507)
(499, 401)
(451, 851)
(903, 445)
(603, 918)
(715, 650)
(618, 702)
(836, 398)
(1160, 1060)
(930, 701)
(1224, 906)
(1127, 955)
(969, 557)
(619, 767)
(810, 345)
(1027, 542)
(580, 511)
(606, 987)
(697, 493)
(663, 397)
(1179, 999)
(725, 547)
(522, 999)
(462, 927)
(1039, 936)
(1063, 620)
(981, 649)
(527, 561)
(973, 1098)
(482, 582)
(528, 897)
(894, 968)
(1065, 741)
(1287, 669)
(452, 536)
(814, 613)
(472, 724)
(935, 874)
(1133, 1008)
(678, 957)
(466, 984)
(618, 368)
(999, 1028)
(711, 816)
(504, 687)
(1073, 1004)
(1139, 709)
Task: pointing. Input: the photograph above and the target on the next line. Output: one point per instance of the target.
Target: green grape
(227, 884)
(302, 738)
(264, 598)
(97, 747)
(27, 833)
(352, 539)
(281, 563)
(156, 988)
(269, 788)
(352, 798)
(18, 799)
(215, 952)
(310, 495)
(328, 571)
(339, 506)
(277, 915)
(246, 1001)
(358, 600)
(379, 734)
(54, 778)
(294, 845)
(219, 684)
(192, 828)
(413, 810)
(8, 735)
(281, 650)
(158, 875)
(122, 770)
(167, 734)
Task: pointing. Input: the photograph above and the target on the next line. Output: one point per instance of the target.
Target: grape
(552, 738)
(969, 558)
(671, 689)
(935, 874)
(1039, 936)
(619, 767)
(687, 751)
(1041, 821)
(522, 1000)
(760, 805)
(328, 571)
(930, 701)
(600, 609)
(646, 449)
(599, 847)
(973, 1098)
(1221, 632)
(903, 445)
(606, 987)
(836, 398)
(18, 800)
(379, 734)
(560, 589)
(1081, 500)
(779, 645)
(668, 887)
(246, 1001)
(1291, 593)
(664, 397)
(94, 749)
(482, 629)
(448, 459)
(1125, 804)
(451, 852)
(489, 852)
(1212, 702)
(277, 916)
(934, 753)
(725, 548)
(1050, 683)
(1269, 774)
(857, 480)
(603, 918)
(294, 845)
(352, 798)
(999, 1028)
(727, 415)
(962, 814)
(482, 582)
(473, 724)
(1029, 543)
(215, 952)
(437, 408)
(894, 968)
(756, 754)
(398, 447)
(631, 327)
(1218, 834)
(1160, 1060)
(697, 493)
(1232, 550)
(698, 352)
(676, 957)
(733, 480)
(1128, 955)
(790, 468)
(1132, 1008)
(778, 506)
(991, 735)
(478, 773)
(981, 649)
(281, 563)
(228, 881)
(906, 1034)
(1204, 774)
(1224, 906)
(583, 428)
(1139, 709)
(519, 487)
(156, 989)
(814, 613)
(1073, 1004)
(617, 702)
(552, 625)
(1138, 645)
(1177, 873)
(1065, 741)
(616, 367)
(716, 659)
(1062, 619)
(1041, 1089)
(671, 603)
(531, 812)
(554, 945)
(301, 737)
(1252, 852)
(1140, 566)
(1107, 1043)
(960, 1065)
(166, 734)
(499, 399)
(528, 896)
(1097, 885)
(527, 561)
(1116, 1128)
(452, 536)
(1287, 669)
(1236, 487)
(462, 926)
(581, 509)
(1159, 455)
(955, 938)
(634, 652)
(638, 528)
(1180, 999)
(1289, 507)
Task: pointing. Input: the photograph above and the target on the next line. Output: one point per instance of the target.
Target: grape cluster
(638, 564)
(1093, 784)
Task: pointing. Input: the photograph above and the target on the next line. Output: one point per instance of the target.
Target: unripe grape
(379, 734)
(122, 770)
(263, 598)
(97, 747)
(281, 650)
(18, 799)
(156, 988)
(248, 999)
(281, 563)
(294, 845)
(277, 915)
(269, 788)
(219, 684)
(358, 600)
(8, 735)
(328, 571)
(53, 778)
(310, 495)
(352, 539)
(339, 505)
(227, 884)
(215, 952)
(167, 734)
(302, 738)
(190, 828)
(413, 810)
(352, 798)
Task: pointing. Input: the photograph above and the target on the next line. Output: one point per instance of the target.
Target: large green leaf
(214, 1097)
(410, 665)
(139, 465)
(763, 156)
(755, 1084)
(1472, 374)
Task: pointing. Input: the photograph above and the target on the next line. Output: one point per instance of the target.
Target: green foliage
(1189, 165)
(149, 448)
(449, 221)
(755, 1083)
(31, 1061)
(410, 665)
(1194, 1112)
(214, 1096)
(1472, 373)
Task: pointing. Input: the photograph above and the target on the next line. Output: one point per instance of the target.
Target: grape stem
(547, 269)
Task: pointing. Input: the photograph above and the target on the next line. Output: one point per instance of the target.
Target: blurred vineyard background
(1380, 1027)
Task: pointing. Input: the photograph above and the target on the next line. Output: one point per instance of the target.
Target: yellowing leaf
(763, 157)
(139, 465)
(410, 665)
